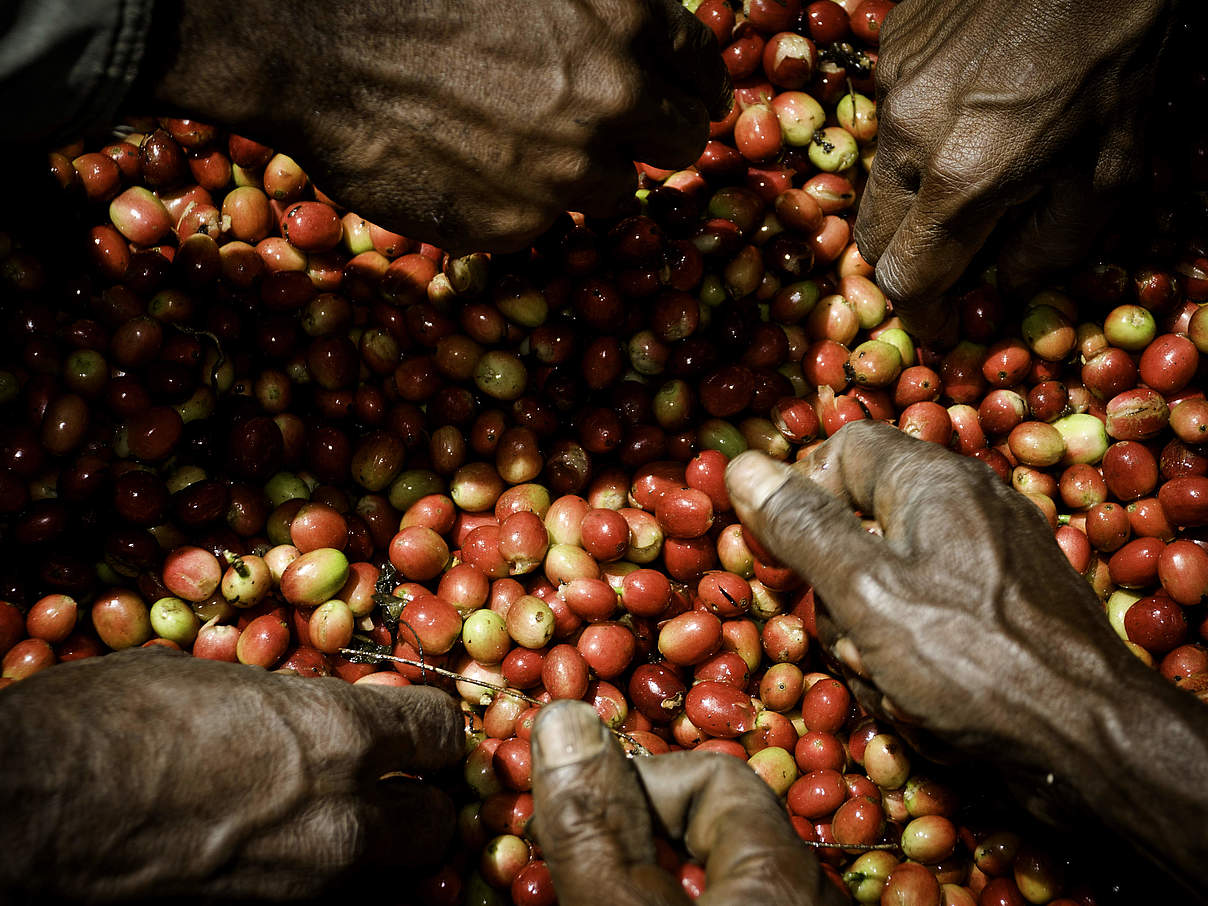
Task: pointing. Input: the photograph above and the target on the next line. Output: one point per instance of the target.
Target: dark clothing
(66, 65)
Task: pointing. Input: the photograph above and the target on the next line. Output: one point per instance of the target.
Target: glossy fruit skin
(1185, 500)
(719, 709)
(657, 692)
(564, 672)
(690, 638)
(1156, 623)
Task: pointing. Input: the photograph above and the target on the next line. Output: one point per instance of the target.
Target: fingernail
(753, 478)
(895, 713)
(567, 732)
(846, 651)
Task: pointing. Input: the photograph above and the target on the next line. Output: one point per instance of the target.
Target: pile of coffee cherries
(238, 420)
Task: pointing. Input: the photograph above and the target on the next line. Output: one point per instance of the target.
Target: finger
(592, 820)
(674, 129)
(610, 190)
(906, 485)
(297, 857)
(358, 842)
(928, 252)
(407, 824)
(1056, 230)
(889, 191)
(911, 490)
(686, 55)
(808, 529)
(731, 821)
(929, 206)
(1059, 227)
(413, 728)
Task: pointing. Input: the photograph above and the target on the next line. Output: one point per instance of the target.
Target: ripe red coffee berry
(1169, 363)
(1183, 572)
(1156, 624)
(724, 593)
(312, 226)
(1130, 470)
(684, 512)
(605, 534)
(826, 705)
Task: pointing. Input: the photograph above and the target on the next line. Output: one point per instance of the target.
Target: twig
(633, 747)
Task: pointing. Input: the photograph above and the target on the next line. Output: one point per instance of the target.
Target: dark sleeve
(66, 65)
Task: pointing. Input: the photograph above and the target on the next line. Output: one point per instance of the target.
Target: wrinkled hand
(595, 811)
(965, 613)
(468, 123)
(153, 774)
(963, 619)
(1000, 111)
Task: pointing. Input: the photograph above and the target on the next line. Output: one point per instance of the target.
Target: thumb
(806, 526)
(591, 817)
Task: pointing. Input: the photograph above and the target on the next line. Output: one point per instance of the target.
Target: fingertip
(426, 722)
(674, 128)
(752, 478)
(567, 732)
(722, 98)
(592, 819)
(613, 194)
(693, 58)
(1015, 279)
(924, 311)
(934, 322)
(409, 824)
(1054, 230)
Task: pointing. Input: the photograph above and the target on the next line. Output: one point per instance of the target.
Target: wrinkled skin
(963, 620)
(152, 774)
(467, 123)
(1023, 117)
(596, 811)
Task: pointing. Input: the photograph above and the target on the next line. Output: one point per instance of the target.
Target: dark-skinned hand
(963, 619)
(152, 774)
(596, 811)
(467, 123)
(1001, 114)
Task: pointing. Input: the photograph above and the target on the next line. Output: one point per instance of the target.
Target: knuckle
(904, 113)
(967, 162)
(865, 232)
(573, 168)
(888, 70)
(893, 278)
(629, 20)
(626, 92)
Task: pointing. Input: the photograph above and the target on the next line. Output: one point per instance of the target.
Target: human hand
(152, 774)
(467, 123)
(964, 618)
(595, 813)
(1000, 114)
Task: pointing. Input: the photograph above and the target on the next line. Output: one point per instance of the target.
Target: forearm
(1132, 751)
